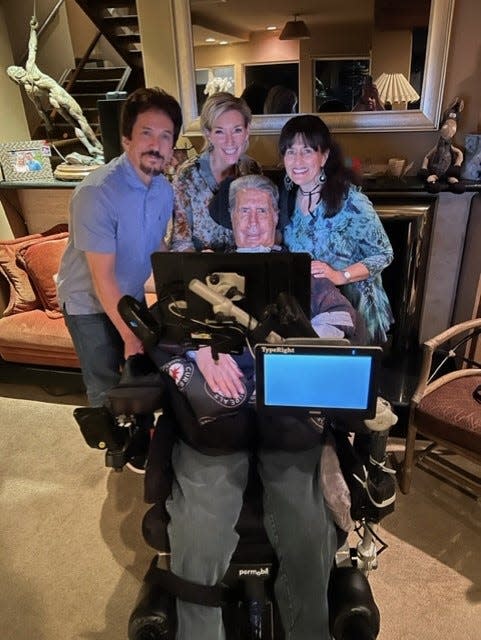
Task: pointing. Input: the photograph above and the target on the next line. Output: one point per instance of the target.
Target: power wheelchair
(195, 311)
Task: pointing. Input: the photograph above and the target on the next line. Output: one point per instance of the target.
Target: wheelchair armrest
(141, 398)
(140, 390)
(99, 430)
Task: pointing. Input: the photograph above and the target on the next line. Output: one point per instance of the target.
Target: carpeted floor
(72, 553)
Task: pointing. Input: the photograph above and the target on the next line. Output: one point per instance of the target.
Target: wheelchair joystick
(140, 321)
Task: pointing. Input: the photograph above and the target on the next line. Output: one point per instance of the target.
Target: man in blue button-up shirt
(118, 218)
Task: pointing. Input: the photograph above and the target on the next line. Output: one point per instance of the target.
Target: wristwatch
(347, 275)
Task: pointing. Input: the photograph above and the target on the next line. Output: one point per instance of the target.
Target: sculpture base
(69, 172)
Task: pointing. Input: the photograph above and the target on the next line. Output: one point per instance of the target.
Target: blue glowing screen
(306, 380)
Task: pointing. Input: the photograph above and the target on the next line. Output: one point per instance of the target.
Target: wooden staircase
(117, 20)
(92, 83)
(91, 80)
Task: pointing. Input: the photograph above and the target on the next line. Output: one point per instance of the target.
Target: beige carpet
(72, 553)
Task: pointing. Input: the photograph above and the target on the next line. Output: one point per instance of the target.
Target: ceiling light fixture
(295, 30)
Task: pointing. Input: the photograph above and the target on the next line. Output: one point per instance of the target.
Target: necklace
(317, 190)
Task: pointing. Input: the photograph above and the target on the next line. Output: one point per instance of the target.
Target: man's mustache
(154, 154)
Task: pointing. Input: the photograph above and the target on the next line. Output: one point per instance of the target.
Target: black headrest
(219, 205)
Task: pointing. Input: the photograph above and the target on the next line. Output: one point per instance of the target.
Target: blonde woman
(225, 122)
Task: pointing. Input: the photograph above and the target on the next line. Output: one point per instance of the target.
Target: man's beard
(151, 170)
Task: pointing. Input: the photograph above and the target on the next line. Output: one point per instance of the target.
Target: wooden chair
(444, 410)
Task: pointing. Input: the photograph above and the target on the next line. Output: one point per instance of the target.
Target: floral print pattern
(194, 187)
(354, 234)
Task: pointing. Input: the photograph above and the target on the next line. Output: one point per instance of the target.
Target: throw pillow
(41, 262)
(22, 294)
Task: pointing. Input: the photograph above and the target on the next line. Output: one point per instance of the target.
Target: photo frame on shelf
(26, 161)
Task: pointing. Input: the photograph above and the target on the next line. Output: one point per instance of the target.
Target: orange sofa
(32, 328)
(35, 345)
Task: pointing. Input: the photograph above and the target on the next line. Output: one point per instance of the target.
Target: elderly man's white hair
(253, 181)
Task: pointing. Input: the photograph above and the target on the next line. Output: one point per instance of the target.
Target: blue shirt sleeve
(94, 228)
(370, 242)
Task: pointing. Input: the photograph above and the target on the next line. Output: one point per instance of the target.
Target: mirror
(426, 117)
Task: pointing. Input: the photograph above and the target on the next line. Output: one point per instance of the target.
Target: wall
(463, 78)
(158, 45)
(13, 123)
(55, 53)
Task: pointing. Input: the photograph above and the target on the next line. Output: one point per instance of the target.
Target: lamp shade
(394, 87)
(295, 30)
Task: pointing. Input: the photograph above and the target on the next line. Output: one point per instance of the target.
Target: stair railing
(81, 64)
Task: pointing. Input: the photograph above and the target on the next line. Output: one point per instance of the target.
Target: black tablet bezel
(310, 348)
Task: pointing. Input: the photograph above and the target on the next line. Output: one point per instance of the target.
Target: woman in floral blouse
(225, 122)
(328, 217)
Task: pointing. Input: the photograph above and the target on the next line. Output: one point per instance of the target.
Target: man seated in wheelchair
(207, 491)
(219, 436)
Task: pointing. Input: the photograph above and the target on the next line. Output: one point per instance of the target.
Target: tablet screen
(340, 380)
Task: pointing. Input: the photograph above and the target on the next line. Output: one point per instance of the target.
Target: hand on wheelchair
(223, 375)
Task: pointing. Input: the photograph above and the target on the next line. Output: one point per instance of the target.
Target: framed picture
(338, 83)
(272, 88)
(27, 161)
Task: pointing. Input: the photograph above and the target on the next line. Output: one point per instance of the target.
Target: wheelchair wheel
(149, 628)
(153, 616)
(353, 613)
